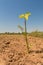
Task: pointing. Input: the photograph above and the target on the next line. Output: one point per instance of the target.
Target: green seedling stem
(26, 37)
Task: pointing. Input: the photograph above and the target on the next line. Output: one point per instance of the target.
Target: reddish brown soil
(13, 50)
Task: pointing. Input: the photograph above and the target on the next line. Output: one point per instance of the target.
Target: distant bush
(36, 34)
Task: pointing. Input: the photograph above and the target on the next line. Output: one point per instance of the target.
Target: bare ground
(13, 50)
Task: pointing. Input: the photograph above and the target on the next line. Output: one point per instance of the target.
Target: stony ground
(13, 50)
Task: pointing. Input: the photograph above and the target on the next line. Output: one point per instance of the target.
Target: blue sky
(11, 9)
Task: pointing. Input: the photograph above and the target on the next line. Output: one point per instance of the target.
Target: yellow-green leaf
(21, 16)
(26, 15)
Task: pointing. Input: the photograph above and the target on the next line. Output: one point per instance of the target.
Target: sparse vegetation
(33, 34)
(36, 34)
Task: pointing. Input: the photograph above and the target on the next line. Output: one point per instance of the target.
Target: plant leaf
(25, 16)
(20, 27)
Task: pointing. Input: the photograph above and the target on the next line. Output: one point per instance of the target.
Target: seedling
(25, 16)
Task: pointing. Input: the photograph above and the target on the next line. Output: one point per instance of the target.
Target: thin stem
(26, 37)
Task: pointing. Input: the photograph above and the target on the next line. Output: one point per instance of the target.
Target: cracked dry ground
(13, 50)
